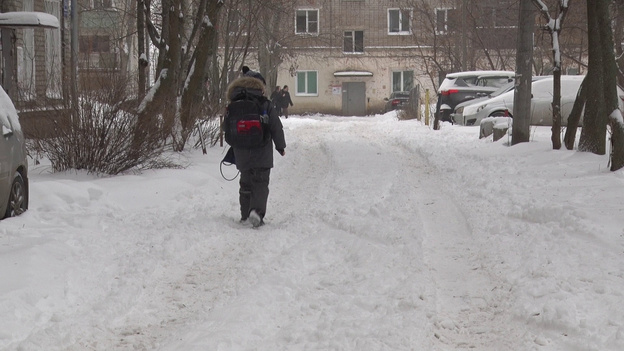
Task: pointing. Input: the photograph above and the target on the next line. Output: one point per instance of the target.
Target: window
(53, 52)
(236, 23)
(399, 21)
(354, 41)
(102, 4)
(307, 22)
(402, 81)
(441, 23)
(94, 43)
(307, 83)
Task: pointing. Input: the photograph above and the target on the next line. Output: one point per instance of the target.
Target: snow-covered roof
(28, 19)
(353, 74)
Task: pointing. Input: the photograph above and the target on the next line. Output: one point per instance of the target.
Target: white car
(541, 102)
(13, 163)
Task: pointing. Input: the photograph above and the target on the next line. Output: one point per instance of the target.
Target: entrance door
(354, 99)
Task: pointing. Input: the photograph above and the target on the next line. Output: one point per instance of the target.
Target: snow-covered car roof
(480, 73)
(21, 19)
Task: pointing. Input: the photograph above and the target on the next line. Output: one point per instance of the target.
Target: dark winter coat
(275, 98)
(284, 99)
(261, 157)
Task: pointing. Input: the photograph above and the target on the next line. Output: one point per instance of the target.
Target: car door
(541, 103)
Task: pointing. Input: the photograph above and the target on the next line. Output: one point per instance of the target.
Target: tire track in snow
(470, 303)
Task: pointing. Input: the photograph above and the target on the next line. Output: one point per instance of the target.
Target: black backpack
(246, 123)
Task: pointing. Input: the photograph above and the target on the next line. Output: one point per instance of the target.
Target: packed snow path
(368, 246)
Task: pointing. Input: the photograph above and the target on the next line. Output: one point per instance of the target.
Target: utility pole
(524, 73)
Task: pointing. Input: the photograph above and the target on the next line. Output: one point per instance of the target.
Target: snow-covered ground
(381, 235)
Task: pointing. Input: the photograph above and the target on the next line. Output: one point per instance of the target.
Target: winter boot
(255, 219)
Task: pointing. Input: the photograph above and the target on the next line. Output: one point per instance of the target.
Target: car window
(470, 80)
(464, 82)
(503, 89)
(492, 81)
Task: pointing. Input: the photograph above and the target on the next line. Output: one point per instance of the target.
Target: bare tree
(554, 25)
(184, 47)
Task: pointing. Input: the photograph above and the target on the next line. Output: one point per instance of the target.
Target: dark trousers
(285, 111)
(254, 191)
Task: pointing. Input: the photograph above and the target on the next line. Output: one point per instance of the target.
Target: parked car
(13, 164)
(457, 116)
(397, 100)
(541, 102)
(463, 86)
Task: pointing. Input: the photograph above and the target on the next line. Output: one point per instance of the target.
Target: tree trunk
(522, 96)
(619, 38)
(556, 106)
(610, 73)
(554, 26)
(593, 134)
(143, 63)
(575, 116)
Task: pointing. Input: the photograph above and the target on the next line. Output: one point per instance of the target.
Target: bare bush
(98, 134)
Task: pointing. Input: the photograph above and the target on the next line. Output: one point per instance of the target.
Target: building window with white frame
(307, 22)
(354, 41)
(402, 80)
(307, 83)
(441, 21)
(399, 21)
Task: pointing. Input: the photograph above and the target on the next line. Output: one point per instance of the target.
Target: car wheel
(17, 197)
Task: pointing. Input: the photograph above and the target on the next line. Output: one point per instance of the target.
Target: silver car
(463, 86)
(13, 164)
(541, 102)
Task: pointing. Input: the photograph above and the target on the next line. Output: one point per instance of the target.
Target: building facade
(351, 54)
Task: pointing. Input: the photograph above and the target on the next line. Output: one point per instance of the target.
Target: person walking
(285, 100)
(275, 100)
(255, 163)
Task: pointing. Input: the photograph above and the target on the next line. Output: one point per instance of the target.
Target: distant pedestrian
(275, 100)
(285, 100)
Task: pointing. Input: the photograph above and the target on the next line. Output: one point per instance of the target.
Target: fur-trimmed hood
(252, 85)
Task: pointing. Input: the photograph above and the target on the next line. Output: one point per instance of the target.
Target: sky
(380, 235)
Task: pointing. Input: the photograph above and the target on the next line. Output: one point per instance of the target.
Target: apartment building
(350, 55)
